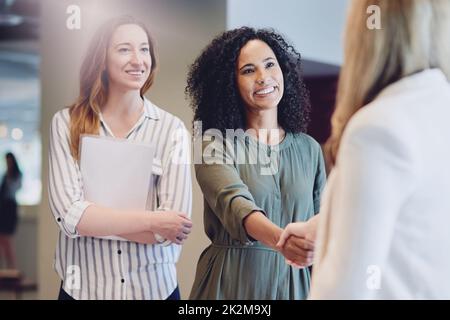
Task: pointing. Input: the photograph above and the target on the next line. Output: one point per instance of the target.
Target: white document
(116, 173)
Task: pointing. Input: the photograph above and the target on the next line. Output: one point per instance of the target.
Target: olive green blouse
(235, 266)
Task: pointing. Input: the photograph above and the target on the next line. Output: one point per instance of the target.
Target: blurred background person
(11, 183)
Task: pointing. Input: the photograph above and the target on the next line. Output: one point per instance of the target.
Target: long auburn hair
(84, 113)
(414, 37)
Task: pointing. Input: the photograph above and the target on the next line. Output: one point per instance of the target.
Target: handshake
(297, 242)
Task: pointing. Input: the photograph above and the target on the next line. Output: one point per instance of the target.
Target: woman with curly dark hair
(249, 79)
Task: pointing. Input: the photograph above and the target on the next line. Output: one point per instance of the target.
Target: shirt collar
(150, 110)
(424, 79)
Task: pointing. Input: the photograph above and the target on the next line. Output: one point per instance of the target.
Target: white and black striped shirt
(112, 269)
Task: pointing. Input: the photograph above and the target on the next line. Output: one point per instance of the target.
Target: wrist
(275, 235)
(150, 221)
(152, 226)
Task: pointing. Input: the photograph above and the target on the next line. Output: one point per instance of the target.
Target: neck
(262, 119)
(122, 102)
(264, 125)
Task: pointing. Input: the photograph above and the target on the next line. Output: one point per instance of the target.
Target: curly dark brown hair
(212, 87)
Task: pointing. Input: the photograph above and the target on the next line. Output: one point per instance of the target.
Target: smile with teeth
(265, 91)
(135, 72)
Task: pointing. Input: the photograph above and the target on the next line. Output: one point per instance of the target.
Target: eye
(270, 64)
(247, 71)
(123, 50)
(146, 50)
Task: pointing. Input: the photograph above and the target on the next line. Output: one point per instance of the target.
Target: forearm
(260, 228)
(313, 225)
(145, 237)
(98, 221)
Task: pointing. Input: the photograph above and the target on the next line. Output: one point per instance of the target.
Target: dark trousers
(175, 295)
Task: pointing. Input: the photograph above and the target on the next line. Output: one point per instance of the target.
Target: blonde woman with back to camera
(383, 227)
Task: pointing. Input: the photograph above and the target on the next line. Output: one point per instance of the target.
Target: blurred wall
(182, 29)
(25, 242)
(314, 26)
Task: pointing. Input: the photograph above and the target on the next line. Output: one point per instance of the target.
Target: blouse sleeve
(174, 188)
(224, 190)
(66, 195)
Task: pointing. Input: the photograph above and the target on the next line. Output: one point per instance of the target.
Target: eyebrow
(129, 44)
(251, 64)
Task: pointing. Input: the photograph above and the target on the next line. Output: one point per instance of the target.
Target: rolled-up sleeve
(66, 195)
(175, 185)
(227, 195)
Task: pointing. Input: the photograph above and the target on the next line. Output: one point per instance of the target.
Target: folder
(116, 173)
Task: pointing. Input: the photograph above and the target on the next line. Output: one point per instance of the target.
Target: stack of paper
(116, 173)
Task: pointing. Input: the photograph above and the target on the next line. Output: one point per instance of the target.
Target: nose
(136, 59)
(261, 78)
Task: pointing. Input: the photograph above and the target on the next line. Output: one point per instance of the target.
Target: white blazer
(384, 231)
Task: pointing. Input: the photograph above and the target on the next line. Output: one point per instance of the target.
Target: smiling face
(128, 59)
(259, 76)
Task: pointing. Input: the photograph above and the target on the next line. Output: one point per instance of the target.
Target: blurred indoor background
(39, 72)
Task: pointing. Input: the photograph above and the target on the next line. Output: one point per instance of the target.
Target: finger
(303, 262)
(173, 240)
(187, 223)
(182, 236)
(283, 237)
(179, 240)
(294, 250)
(302, 243)
(186, 230)
(184, 216)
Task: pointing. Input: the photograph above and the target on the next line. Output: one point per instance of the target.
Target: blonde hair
(414, 35)
(84, 113)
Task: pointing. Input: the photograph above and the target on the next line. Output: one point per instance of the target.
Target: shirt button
(119, 251)
(123, 280)
(59, 219)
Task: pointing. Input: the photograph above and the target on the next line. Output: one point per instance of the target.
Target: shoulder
(383, 131)
(306, 142)
(61, 120)
(168, 120)
(61, 117)
(384, 118)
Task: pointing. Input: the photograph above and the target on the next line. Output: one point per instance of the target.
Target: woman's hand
(171, 225)
(298, 252)
(305, 231)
